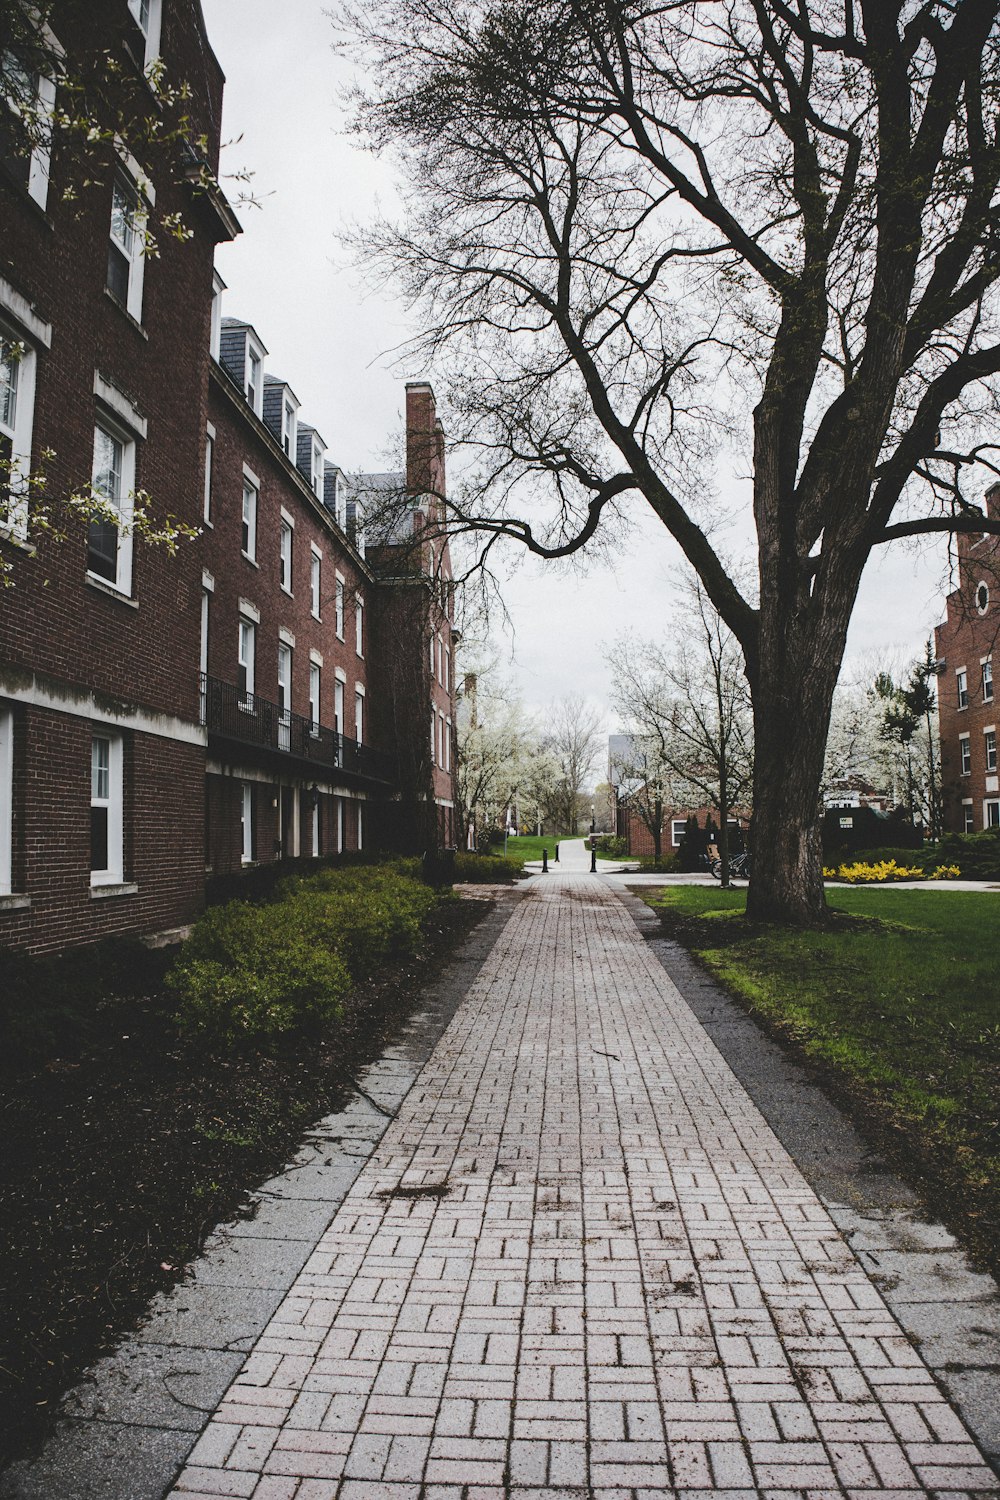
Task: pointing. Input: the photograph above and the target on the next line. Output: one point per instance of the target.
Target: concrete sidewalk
(579, 1262)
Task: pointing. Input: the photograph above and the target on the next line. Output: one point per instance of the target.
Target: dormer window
(255, 379)
(318, 455)
(288, 428)
(215, 342)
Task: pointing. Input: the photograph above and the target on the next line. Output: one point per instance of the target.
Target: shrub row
(255, 972)
(977, 855)
(487, 869)
(871, 872)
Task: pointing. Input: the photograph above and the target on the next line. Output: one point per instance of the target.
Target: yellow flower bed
(887, 870)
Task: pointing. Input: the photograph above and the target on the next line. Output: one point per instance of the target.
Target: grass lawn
(530, 846)
(903, 1009)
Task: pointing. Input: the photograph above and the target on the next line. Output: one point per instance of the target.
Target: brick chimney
(424, 441)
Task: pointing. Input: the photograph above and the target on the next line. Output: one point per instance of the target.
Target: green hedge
(256, 972)
(487, 869)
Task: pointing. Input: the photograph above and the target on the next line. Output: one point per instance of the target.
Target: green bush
(257, 971)
(976, 854)
(612, 844)
(487, 869)
(254, 972)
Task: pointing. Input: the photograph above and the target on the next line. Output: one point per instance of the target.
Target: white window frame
(434, 732)
(990, 749)
(359, 626)
(677, 828)
(114, 874)
(215, 333)
(206, 596)
(447, 670)
(209, 463)
(447, 744)
(246, 824)
(285, 669)
(315, 581)
(247, 659)
(133, 245)
(962, 688)
(317, 459)
(150, 28)
(251, 504)
(968, 815)
(991, 812)
(338, 623)
(965, 754)
(289, 425)
(359, 713)
(254, 389)
(17, 427)
(361, 826)
(6, 801)
(123, 502)
(286, 544)
(339, 694)
(315, 696)
(41, 109)
(314, 827)
(987, 678)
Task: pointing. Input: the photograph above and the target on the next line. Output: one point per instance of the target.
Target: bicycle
(739, 864)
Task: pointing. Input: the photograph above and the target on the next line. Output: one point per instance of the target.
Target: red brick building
(967, 712)
(162, 714)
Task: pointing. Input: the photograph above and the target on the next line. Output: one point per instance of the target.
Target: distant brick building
(242, 700)
(966, 704)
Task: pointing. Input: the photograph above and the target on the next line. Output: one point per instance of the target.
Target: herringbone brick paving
(579, 1263)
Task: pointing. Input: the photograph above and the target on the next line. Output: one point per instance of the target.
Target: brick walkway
(579, 1263)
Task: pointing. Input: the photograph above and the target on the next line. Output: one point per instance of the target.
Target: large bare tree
(637, 231)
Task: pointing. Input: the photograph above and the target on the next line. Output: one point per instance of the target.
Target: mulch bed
(921, 1161)
(117, 1162)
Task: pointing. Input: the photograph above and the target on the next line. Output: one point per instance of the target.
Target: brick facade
(967, 711)
(126, 735)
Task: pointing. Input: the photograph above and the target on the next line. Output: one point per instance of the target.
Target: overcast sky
(328, 336)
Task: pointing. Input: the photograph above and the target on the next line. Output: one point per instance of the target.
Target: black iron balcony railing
(248, 719)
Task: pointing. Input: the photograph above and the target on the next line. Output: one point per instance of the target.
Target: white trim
(287, 516)
(210, 429)
(286, 636)
(140, 181)
(359, 688)
(316, 657)
(21, 310)
(119, 405)
(340, 674)
(119, 888)
(114, 874)
(989, 729)
(250, 610)
(68, 700)
(207, 581)
(123, 436)
(248, 473)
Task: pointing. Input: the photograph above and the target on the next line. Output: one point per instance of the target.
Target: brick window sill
(126, 888)
(14, 902)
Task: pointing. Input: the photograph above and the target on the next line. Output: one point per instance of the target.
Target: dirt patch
(119, 1161)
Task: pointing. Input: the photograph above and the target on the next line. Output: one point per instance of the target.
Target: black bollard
(593, 859)
(545, 861)
(557, 853)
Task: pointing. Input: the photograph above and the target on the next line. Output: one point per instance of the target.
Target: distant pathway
(579, 1263)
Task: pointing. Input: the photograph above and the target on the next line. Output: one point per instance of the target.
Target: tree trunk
(657, 832)
(723, 828)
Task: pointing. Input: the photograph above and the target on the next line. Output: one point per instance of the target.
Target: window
(17, 400)
(6, 801)
(359, 715)
(316, 467)
(338, 706)
(965, 753)
(125, 251)
(990, 741)
(285, 557)
(677, 827)
(215, 335)
(968, 818)
(209, 458)
(247, 824)
(339, 608)
(109, 538)
(284, 696)
(447, 744)
(359, 626)
(317, 843)
(447, 670)
(246, 659)
(249, 533)
(315, 583)
(203, 650)
(106, 812)
(982, 598)
(361, 825)
(288, 425)
(147, 18)
(988, 679)
(27, 105)
(315, 673)
(962, 688)
(991, 814)
(255, 378)
(434, 724)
